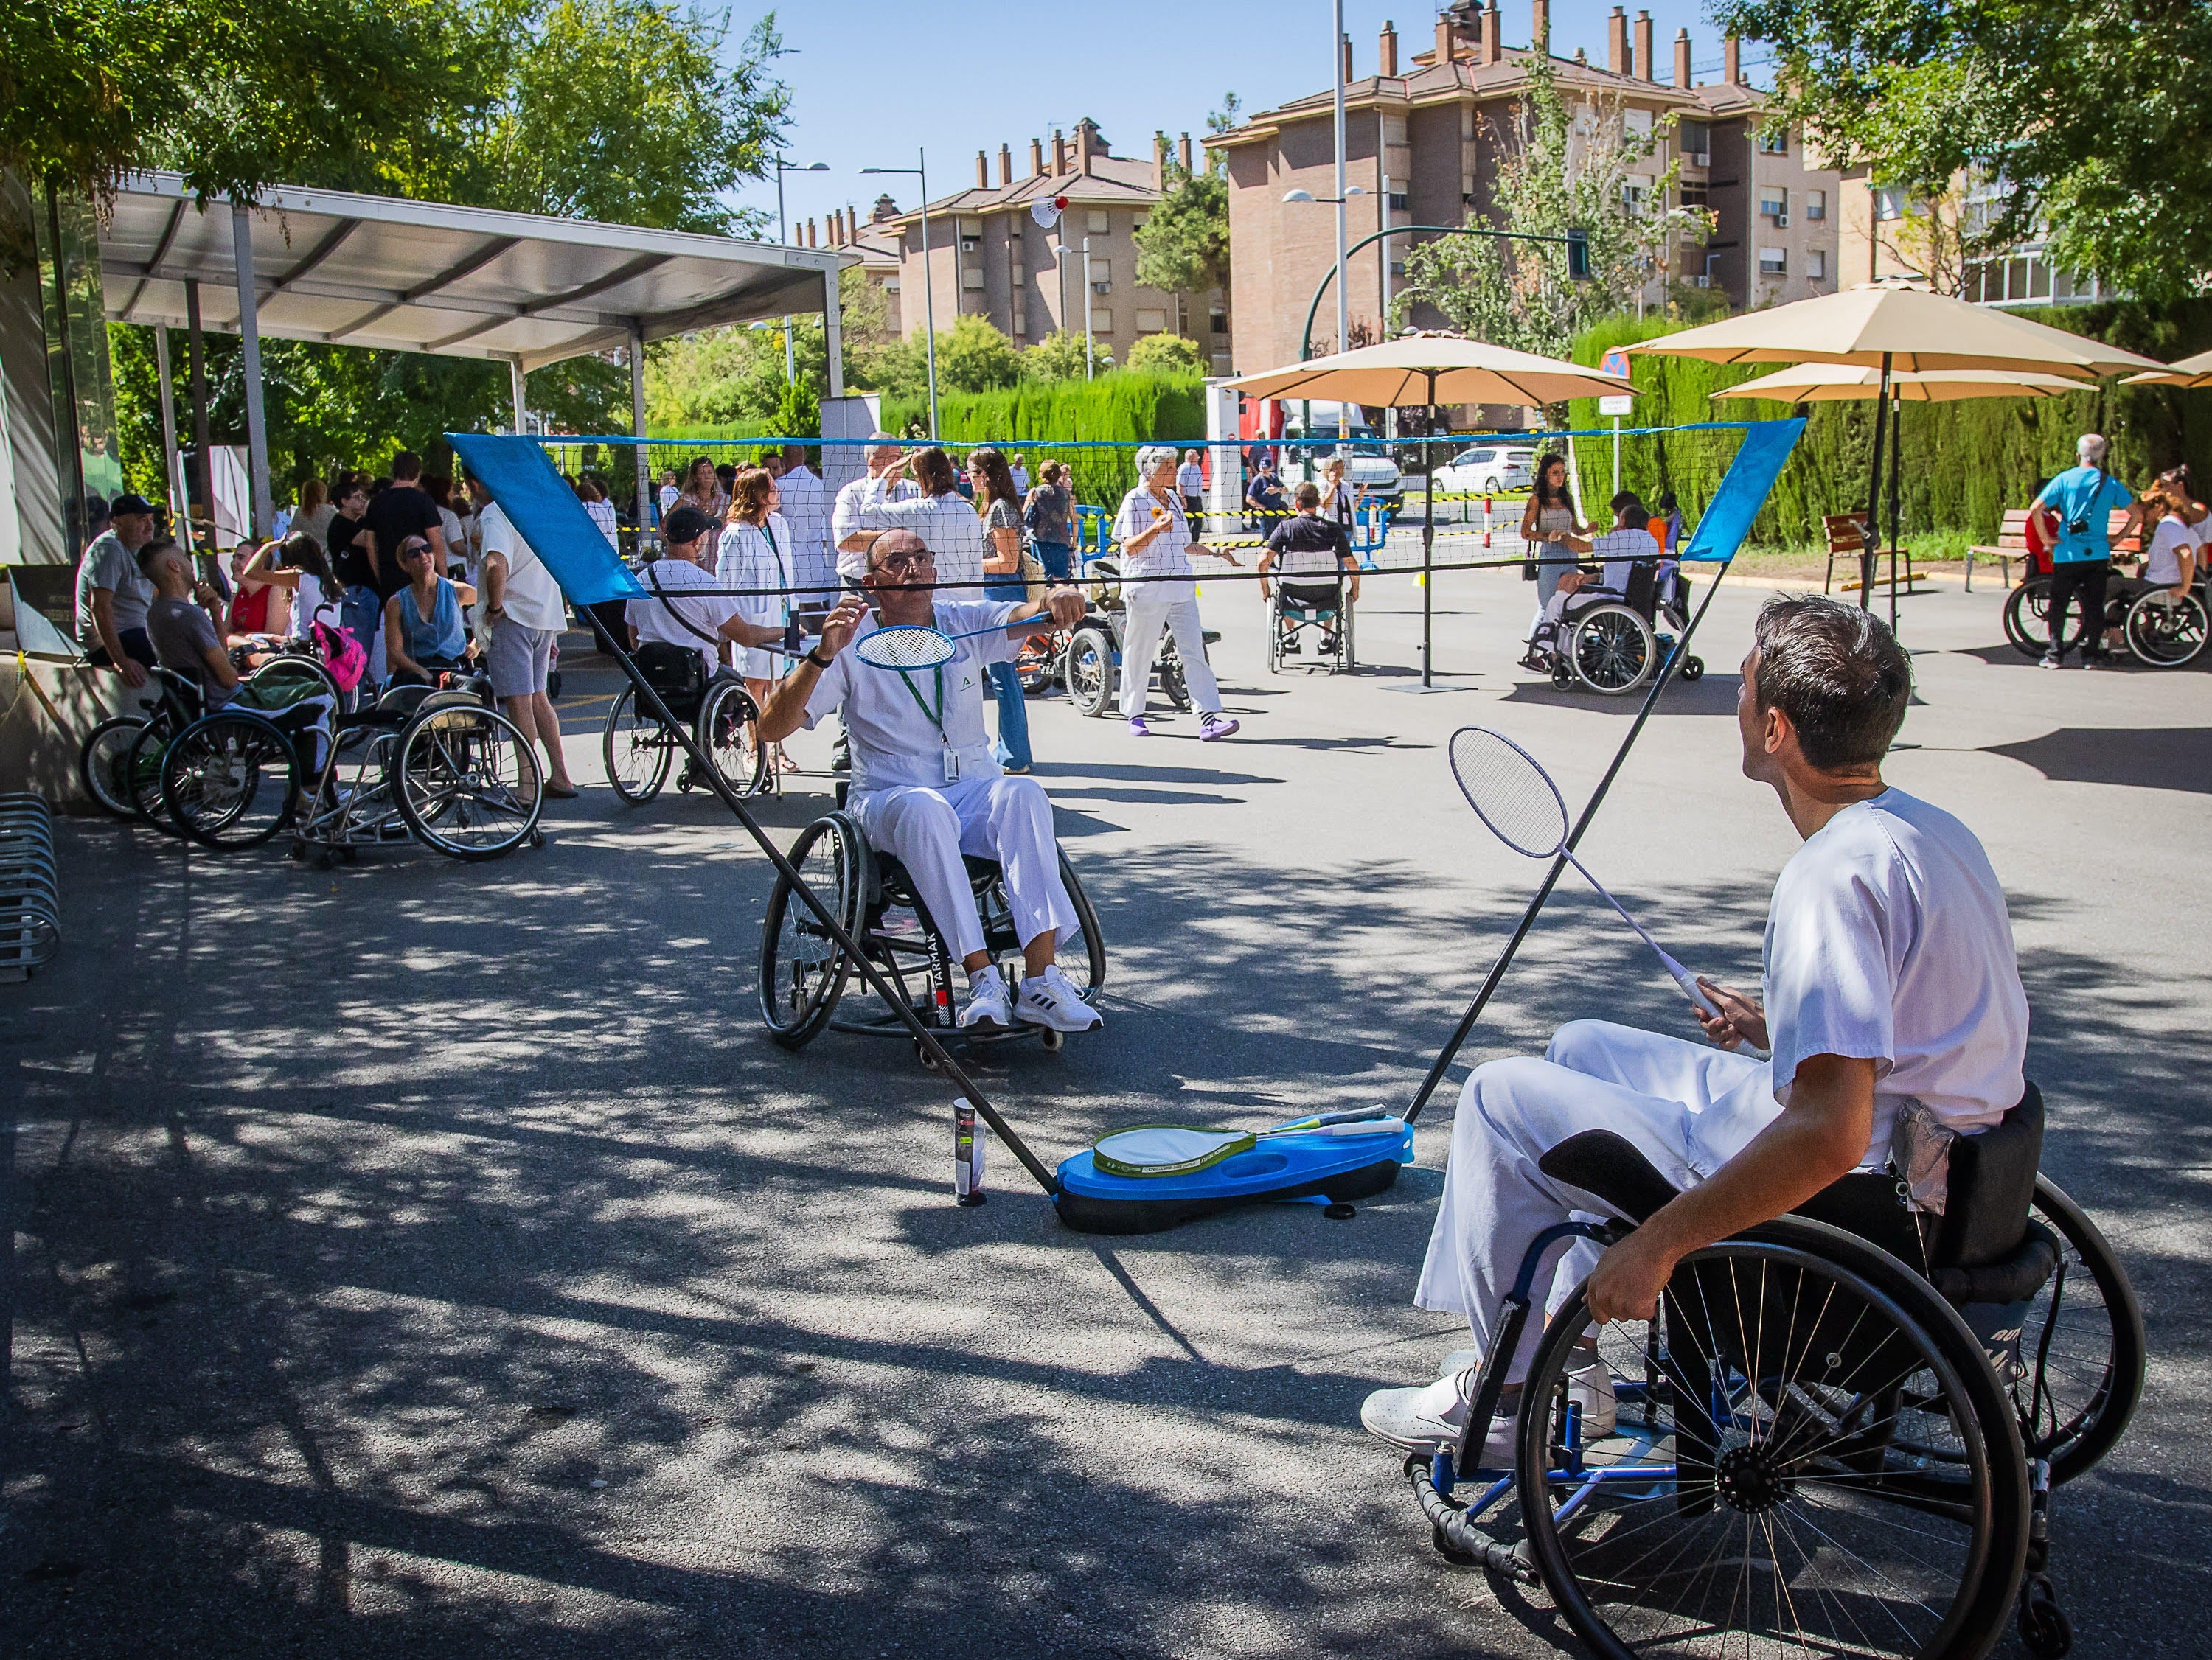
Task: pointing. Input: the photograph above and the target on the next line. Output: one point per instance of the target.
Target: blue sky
(871, 82)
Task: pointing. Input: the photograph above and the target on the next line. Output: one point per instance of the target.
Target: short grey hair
(2091, 449)
(1152, 457)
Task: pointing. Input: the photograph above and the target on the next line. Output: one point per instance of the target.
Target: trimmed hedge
(1966, 463)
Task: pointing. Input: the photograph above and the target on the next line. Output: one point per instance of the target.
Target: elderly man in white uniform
(1155, 535)
(884, 480)
(1890, 977)
(926, 787)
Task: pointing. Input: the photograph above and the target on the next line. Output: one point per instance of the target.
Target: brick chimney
(884, 208)
(1443, 37)
(1036, 158)
(836, 229)
(1160, 162)
(1616, 41)
(1493, 36)
(1182, 152)
(1732, 60)
(1086, 144)
(1386, 51)
(1343, 49)
(1539, 25)
(1682, 57)
(811, 241)
(1059, 153)
(1647, 60)
(1006, 165)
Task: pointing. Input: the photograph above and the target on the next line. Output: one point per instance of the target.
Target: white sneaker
(987, 1009)
(1430, 1418)
(1590, 1386)
(1050, 999)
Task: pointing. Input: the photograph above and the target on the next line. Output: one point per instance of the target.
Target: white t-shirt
(748, 557)
(668, 493)
(951, 528)
(806, 510)
(307, 599)
(1020, 475)
(603, 515)
(1190, 478)
(532, 597)
(2169, 539)
(457, 541)
(894, 740)
(845, 518)
(705, 612)
(1888, 940)
(1167, 555)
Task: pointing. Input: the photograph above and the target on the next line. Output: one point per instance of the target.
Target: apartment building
(1423, 141)
(989, 257)
(878, 242)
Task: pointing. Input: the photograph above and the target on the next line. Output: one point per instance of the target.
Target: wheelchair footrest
(1459, 1539)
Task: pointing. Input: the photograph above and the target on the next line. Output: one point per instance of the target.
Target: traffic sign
(1620, 404)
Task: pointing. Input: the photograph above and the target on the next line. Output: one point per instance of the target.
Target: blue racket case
(1340, 1168)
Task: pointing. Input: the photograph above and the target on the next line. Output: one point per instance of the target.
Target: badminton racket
(911, 646)
(1516, 798)
(1169, 1149)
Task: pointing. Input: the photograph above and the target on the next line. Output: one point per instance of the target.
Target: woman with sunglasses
(423, 636)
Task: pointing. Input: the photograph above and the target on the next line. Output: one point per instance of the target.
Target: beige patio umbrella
(1836, 383)
(2189, 372)
(1892, 327)
(1424, 368)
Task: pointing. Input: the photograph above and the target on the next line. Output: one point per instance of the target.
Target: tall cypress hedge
(1964, 463)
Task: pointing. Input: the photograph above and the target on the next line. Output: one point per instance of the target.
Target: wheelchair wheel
(1082, 957)
(142, 773)
(467, 782)
(802, 969)
(1174, 686)
(1091, 671)
(1811, 1455)
(2082, 1344)
(636, 749)
(1348, 657)
(229, 781)
(103, 765)
(726, 733)
(2027, 619)
(1612, 648)
(290, 675)
(1275, 635)
(2165, 631)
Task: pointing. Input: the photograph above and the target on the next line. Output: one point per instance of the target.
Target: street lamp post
(783, 235)
(1088, 349)
(1343, 310)
(921, 171)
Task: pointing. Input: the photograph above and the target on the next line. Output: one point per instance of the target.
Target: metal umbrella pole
(1428, 533)
(1896, 472)
(1867, 541)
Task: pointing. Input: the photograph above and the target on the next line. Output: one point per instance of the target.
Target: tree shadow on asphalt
(384, 1216)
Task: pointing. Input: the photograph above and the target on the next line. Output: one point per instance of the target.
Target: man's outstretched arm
(1821, 1136)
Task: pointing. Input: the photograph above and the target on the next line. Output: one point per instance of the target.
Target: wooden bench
(1847, 540)
(2012, 543)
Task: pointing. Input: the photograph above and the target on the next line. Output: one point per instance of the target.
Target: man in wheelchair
(1308, 558)
(926, 788)
(1890, 984)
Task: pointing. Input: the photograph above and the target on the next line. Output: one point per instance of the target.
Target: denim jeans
(1057, 557)
(359, 613)
(1013, 748)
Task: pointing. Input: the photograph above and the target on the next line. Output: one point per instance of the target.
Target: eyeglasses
(897, 562)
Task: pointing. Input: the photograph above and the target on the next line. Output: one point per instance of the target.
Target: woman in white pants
(1155, 538)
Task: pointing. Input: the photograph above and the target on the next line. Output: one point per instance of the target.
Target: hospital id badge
(953, 767)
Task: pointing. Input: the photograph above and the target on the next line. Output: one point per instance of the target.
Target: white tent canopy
(422, 276)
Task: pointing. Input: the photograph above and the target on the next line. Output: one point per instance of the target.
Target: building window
(1773, 262)
(1888, 202)
(1696, 141)
(2029, 279)
(1775, 205)
(1150, 321)
(1219, 323)
(1098, 222)
(1774, 141)
(1400, 202)
(1101, 322)
(1695, 193)
(971, 278)
(1632, 192)
(1816, 204)
(1816, 264)
(1637, 122)
(1021, 322)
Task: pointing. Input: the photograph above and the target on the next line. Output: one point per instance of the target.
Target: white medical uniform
(1886, 940)
(2169, 539)
(845, 520)
(754, 556)
(705, 613)
(806, 509)
(906, 804)
(1157, 608)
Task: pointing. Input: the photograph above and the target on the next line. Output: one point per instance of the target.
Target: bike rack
(30, 885)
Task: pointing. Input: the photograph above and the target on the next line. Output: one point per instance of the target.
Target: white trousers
(1153, 610)
(928, 827)
(1686, 1106)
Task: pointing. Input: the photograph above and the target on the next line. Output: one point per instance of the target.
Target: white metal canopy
(422, 277)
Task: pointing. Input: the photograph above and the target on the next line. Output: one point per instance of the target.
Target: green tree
(1564, 168)
(972, 356)
(1182, 247)
(2094, 117)
(1167, 354)
(1059, 356)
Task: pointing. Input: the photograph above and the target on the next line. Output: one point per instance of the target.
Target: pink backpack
(341, 654)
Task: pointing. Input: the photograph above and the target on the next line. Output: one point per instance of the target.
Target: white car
(1488, 470)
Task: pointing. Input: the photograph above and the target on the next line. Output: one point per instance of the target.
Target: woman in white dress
(756, 552)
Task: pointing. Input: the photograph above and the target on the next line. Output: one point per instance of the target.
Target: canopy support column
(204, 461)
(833, 331)
(249, 336)
(643, 462)
(172, 474)
(516, 395)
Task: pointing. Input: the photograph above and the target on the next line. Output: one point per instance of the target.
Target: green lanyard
(937, 715)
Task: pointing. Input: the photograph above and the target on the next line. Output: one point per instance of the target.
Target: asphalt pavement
(423, 1259)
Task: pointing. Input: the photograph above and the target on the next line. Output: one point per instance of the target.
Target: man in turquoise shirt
(2075, 511)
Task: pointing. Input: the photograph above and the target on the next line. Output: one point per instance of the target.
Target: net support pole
(1868, 542)
(1490, 984)
(1429, 539)
(642, 459)
(704, 767)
